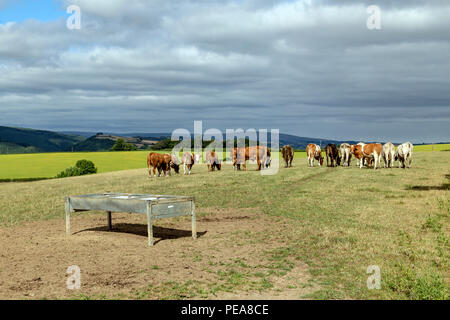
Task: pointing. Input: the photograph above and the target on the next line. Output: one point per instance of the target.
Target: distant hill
(104, 142)
(19, 140)
(301, 142)
(93, 144)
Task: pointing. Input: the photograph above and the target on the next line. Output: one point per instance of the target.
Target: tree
(121, 145)
(81, 168)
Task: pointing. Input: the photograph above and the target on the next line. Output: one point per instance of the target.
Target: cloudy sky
(308, 67)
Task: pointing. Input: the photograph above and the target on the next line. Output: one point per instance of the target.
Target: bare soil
(34, 258)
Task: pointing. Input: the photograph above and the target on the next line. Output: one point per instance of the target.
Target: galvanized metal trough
(153, 206)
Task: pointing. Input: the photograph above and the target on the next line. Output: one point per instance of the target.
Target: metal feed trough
(154, 206)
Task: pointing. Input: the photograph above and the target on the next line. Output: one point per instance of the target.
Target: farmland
(47, 165)
(302, 233)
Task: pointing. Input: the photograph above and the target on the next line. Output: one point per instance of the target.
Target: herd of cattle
(365, 155)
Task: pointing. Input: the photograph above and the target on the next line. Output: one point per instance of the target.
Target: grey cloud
(308, 69)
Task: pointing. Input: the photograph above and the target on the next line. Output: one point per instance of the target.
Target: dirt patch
(232, 258)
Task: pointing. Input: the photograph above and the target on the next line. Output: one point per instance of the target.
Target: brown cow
(332, 153)
(212, 161)
(372, 151)
(259, 153)
(356, 150)
(188, 161)
(160, 162)
(313, 151)
(288, 155)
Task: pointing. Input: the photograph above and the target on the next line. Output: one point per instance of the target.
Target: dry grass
(343, 219)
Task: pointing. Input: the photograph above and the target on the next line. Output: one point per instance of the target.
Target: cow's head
(175, 167)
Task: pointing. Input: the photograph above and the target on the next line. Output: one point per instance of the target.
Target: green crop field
(48, 165)
(435, 147)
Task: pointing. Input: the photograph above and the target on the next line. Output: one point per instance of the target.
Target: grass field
(48, 165)
(334, 221)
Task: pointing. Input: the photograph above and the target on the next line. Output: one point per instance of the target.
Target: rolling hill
(20, 140)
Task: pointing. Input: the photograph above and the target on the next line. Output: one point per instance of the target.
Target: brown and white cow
(372, 151)
(332, 153)
(313, 151)
(261, 154)
(288, 155)
(188, 161)
(404, 154)
(160, 162)
(212, 161)
(346, 155)
(388, 154)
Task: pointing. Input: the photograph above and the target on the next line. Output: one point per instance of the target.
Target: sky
(308, 67)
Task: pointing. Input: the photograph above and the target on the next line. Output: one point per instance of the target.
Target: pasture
(48, 165)
(304, 233)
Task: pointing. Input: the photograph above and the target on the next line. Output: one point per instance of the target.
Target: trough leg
(149, 225)
(68, 217)
(194, 222)
(109, 221)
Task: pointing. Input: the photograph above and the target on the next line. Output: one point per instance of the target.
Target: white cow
(404, 154)
(345, 154)
(188, 161)
(388, 154)
(357, 160)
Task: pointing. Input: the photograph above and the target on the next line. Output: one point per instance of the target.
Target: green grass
(48, 165)
(429, 147)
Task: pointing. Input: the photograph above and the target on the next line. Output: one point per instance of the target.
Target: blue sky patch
(21, 10)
